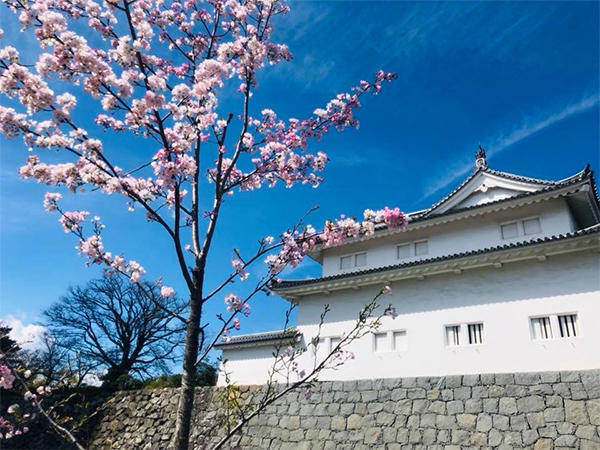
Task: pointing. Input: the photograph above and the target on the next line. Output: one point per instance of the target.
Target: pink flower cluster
(238, 266)
(235, 303)
(167, 292)
(295, 247)
(7, 378)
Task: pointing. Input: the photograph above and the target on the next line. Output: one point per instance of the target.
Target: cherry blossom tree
(155, 69)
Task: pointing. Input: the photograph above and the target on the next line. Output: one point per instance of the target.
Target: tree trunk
(188, 378)
(114, 373)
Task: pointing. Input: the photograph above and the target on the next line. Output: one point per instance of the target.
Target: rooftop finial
(480, 162)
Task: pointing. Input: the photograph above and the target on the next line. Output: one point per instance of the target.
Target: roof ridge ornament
(480, 161)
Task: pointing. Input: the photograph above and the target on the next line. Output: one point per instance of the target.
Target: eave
(268, 338)
(536, 249)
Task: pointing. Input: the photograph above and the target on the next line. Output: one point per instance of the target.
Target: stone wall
(549, 410)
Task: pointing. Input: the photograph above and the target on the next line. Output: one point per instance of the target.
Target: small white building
(501, 275)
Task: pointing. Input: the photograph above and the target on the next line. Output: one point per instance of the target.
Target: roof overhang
(537, 249)
(268, 339)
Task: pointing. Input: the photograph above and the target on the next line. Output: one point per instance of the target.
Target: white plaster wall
(503, 299)
(460, 236)
(493, 194)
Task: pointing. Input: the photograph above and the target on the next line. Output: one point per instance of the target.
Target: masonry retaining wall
(549, 410)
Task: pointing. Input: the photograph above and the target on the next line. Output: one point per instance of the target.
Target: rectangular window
(568, 325)
(421, 248)
(453, 336)
(356, 260)
(382, 343)
(509, 230)
(475, 333)
(333, 343)
(346, 262)
(541, 328)
(532, 226)
(400, 341)
(360, 259)
(404, 251)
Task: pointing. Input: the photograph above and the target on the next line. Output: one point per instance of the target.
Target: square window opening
(381, 342)
(532, 226)
(404, 251)
(346, 262)
(333, 343)
(361, 259)
(421, 248)
(509, 230)
(400, 341)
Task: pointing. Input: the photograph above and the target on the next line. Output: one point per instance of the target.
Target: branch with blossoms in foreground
(287, 365)
(13, 379)
(155, 69)
(293, 246)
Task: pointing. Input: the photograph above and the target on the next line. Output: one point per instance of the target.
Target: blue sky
(521, 78)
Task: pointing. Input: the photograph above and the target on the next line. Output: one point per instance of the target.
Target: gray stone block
(484, 422)
(566, 440)
(530, 436)
(578, 392)
(474, 405)
(593, 410)
(455, 407)
(548, 432)
(373, 435)
(490, 405)
(462, 393)
(504, 379)
(570, 377)
(494, 437)
(518, 422)
(338, 423)
(591, 383)
(576, 412)
(507, 406)
(554, 414)
(466, 421)
(470, 380)
(588, 432)
(533, 403)
(445, 422)
(453, 381)
(501, 422)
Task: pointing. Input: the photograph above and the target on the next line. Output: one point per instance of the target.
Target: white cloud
(497, 144)
(28, 336)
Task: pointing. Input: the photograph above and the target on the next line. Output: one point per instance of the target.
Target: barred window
(475, 333)
(568, 325)
(453, 336)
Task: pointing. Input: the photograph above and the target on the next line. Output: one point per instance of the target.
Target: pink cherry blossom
(6, 377)
(167, 291)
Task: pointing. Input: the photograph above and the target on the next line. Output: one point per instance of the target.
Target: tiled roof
(509, 176)
(294, 283)
(280, 335)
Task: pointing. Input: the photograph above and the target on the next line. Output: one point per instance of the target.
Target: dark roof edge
(507, 176)
(255, 338)
(295, 283)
